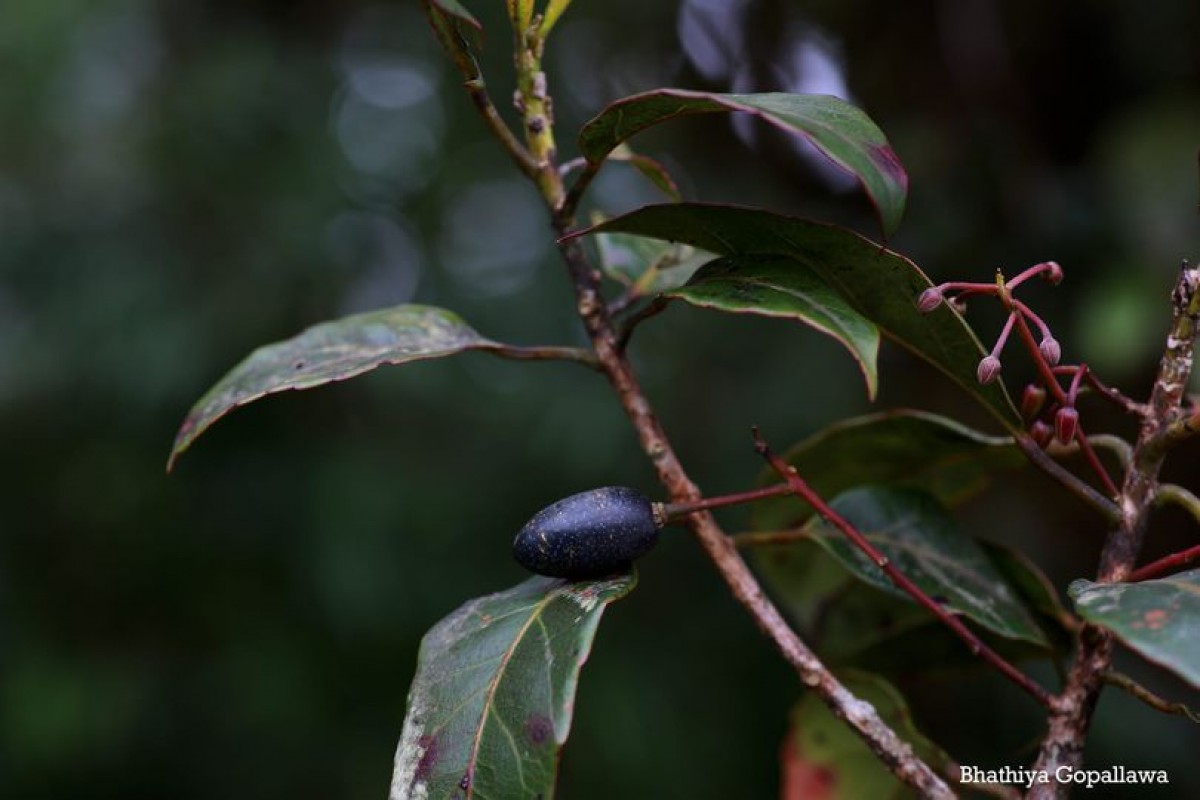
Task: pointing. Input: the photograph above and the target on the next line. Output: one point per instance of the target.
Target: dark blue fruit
(588, 535)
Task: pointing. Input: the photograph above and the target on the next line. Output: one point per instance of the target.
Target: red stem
(1002, 339)
(674, 511)
(1031, 314)
(977, 647)
(1051, 382)
(1165, 564)
(1076, 382)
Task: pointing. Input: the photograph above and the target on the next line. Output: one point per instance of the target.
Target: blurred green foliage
(183, 181)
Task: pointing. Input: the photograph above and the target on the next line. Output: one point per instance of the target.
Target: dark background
(181, 182)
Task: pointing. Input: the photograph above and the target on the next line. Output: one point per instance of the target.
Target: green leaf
(896, 448)
(651, 170)
(453, 25)
(840, 131)
(923, 542)
(823, 758)
(880, 284)
(456, 10)
(1035, 590)
(649, 265)
(852, 623)
(554, 10)
(490, 706)
(331, 351)
(1159, 619)
(839, 614)
(779, 286)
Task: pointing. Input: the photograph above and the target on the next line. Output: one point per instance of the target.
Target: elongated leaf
(554, 10)
(854, 624)
(491, 704)
(1036, 590)
(842, 132)
(921, 540)
(456, 29)
(331, 351)
(780, 286)
(907, 448)
(456, 10)
(653, 171)
(1160, 619)
(839, 614)
(880, 284)
(649, 266)
(823, 759)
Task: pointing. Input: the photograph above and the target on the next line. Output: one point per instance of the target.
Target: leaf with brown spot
(1158, 619)
(823, 759)
(494, 692)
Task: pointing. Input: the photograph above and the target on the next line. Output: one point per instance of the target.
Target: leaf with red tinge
(1159, 619)
(491, 704)
(840, 131)
(779, 286)
(881, 285)
(331, 351)
(822, 759)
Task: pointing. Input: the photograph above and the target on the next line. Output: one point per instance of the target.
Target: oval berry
(588, 535)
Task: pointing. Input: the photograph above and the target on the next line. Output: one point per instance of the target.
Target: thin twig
(651, 309)
(1077, 487)
(1173, 493)
(1128, 684)
(1181, 430)
(862, 718)
(567, 167)
(1061, 396)
(1071, 718)
(455, 46)
(767, 538)
(1120, 448)
(674, 512)
(623, 301)
(901, 581)
(570, 203)
(1165, 564)
(547, 353)
(1116, 397)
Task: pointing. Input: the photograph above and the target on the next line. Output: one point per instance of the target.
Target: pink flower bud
(1041, 433)
(930, 299)
(989, 369)
(1032, 400)
(1066, 422)
(1053, 274)
(1051, 350)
